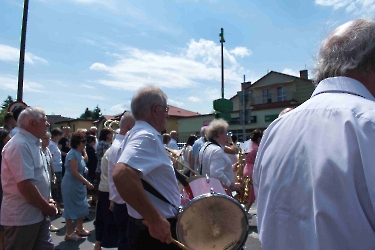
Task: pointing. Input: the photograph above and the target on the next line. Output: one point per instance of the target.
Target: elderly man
(314, 175)
(144, 161)
(173, 142)
(118, 205)
(197, 146)
(213, 161)
(26, 185)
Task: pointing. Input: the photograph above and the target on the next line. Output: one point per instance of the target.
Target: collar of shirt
(120, 137)
(342, 84)
(139, 124)
(30, 137)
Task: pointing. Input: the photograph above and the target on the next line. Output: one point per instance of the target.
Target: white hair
(125, 119)
(144, 98)
(203, 131)
(215, 127)
(349, 47)
(28, 114)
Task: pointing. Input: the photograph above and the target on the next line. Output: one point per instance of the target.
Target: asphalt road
(87, 243)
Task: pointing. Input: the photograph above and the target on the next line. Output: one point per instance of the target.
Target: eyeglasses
(166, 109)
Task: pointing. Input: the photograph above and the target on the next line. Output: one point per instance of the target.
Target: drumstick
(176, 242)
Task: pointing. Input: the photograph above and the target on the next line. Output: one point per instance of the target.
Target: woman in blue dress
(72, 188)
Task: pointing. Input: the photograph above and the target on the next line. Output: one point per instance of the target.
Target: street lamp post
(22, 51)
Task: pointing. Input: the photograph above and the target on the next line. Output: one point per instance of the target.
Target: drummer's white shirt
(216, 163)
(314, 175)
(144, 151)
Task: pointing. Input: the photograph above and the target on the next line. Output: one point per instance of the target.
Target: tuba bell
(109, 124)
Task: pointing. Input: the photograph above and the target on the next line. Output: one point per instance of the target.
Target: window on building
(281, 94)
(267, 97)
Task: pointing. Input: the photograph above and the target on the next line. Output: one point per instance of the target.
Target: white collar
(342, 84)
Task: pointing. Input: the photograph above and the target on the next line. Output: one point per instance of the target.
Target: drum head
(212, 221)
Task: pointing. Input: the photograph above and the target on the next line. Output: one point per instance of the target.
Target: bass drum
(212, 220)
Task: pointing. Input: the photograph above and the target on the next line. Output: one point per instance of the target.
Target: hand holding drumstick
(179, 244)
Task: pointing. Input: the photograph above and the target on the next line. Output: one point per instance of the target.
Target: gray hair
(144, 98)
(28, 114)
(349, 47)
(215, 127)
(203, 131)
(48, 134)
(126, 117)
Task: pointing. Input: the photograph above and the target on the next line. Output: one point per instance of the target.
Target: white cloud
(193, 99)
(98, 66)
(290, 72)
(357, 7)
(93, 97)
(175, 103)
(88, 86)
(119, 108)
(11, 54)
(199, 63)
(241, 51)
(9, 82)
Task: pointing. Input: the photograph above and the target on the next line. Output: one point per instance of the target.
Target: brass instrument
(244, 181)
(109, 123)
(174, 154)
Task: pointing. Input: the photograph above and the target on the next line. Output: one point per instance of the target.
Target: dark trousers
(106, 229)
(120, 213)
(139, 237)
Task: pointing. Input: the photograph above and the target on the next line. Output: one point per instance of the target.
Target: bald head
(349, 48)
(126, 123)
(173, 134)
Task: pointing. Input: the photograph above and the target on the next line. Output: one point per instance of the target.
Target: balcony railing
(288, 96)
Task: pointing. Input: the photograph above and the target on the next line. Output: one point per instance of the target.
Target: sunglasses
(84, 140)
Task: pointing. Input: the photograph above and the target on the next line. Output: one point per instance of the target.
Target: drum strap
(156, 193)
(212, 141)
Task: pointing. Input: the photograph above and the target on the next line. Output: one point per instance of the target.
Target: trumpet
(109, 123)
(174, 154)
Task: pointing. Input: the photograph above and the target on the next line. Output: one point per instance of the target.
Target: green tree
(7, 102)
(4, 108)
(87, 114)
(96, 112)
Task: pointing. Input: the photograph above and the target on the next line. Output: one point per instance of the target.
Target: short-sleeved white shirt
(216, 163)
(173, 144)
(56, 156)
(314, 174)
(143, 150)
(113, 157)
(23, 159)
(103, 184)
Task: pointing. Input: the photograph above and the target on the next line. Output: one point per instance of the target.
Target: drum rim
(181, 210)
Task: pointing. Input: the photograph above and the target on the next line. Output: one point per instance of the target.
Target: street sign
(15, 105)
(223, 105)
(247, 94)
(247, 117)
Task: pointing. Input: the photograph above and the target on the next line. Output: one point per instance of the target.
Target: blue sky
(83, 53)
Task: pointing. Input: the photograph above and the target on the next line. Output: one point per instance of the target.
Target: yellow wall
(74, 125)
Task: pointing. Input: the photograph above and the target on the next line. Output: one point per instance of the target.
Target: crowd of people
(311, 168)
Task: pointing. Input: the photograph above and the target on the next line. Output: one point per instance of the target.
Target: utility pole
(22, 51)
(222, 41)
(243, 109)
